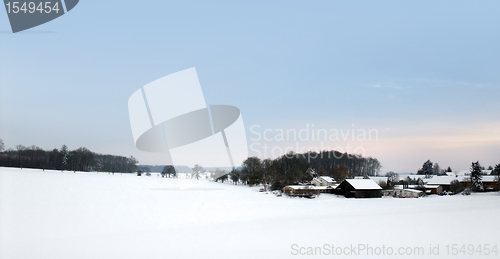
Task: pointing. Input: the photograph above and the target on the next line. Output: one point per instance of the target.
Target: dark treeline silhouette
(326, 162)
(80, 159)
(159, 168)
(295, 168)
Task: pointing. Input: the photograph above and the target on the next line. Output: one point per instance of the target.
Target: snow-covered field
(88, 215)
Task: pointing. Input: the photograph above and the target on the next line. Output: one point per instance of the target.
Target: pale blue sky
(424, 74)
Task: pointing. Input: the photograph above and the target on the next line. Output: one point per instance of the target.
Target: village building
(489, 181)
(323, 181)
(445, 181)
(359, 188)
(307, 191)
(407, 193)
(433, 189)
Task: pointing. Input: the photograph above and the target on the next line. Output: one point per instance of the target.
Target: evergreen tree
(168, 170)
(427, 168)
(65, 156)
(475, 176)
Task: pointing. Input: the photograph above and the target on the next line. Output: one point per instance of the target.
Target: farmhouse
(359, 188)
(444, 181)
(323, 181)
(489, 181)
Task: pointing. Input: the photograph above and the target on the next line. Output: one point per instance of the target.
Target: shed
(433, 189)
(408, 193)
(308, 191)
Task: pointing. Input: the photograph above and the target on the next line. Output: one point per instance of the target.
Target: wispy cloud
(390, 85)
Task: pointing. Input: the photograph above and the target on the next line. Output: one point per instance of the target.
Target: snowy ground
(87, 215)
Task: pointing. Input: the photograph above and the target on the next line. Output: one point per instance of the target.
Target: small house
(408, 193)
(489, 181)
(323, 181)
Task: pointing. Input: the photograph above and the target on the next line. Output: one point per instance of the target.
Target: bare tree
(197, 171)
(392, 177)
(436, 169)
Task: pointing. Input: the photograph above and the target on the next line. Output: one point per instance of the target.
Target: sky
(422, 75)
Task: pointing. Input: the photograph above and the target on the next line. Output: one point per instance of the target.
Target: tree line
(293, 168)
(429, 168)
(80, 159)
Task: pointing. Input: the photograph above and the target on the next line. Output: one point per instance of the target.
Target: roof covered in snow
(310, 187)
(327, 179)
(488, 178)
(412, 190)
(363, 184)
(446, 180)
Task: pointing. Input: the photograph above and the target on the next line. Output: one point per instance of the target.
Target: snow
(364, 184)
(88, 215)
(488, 178)
(444, 180)
(327, 179)
(311, 187)
(413, 190)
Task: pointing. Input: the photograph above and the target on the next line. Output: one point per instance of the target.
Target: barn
(489, 182)
(444, 182)
(359, 188)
